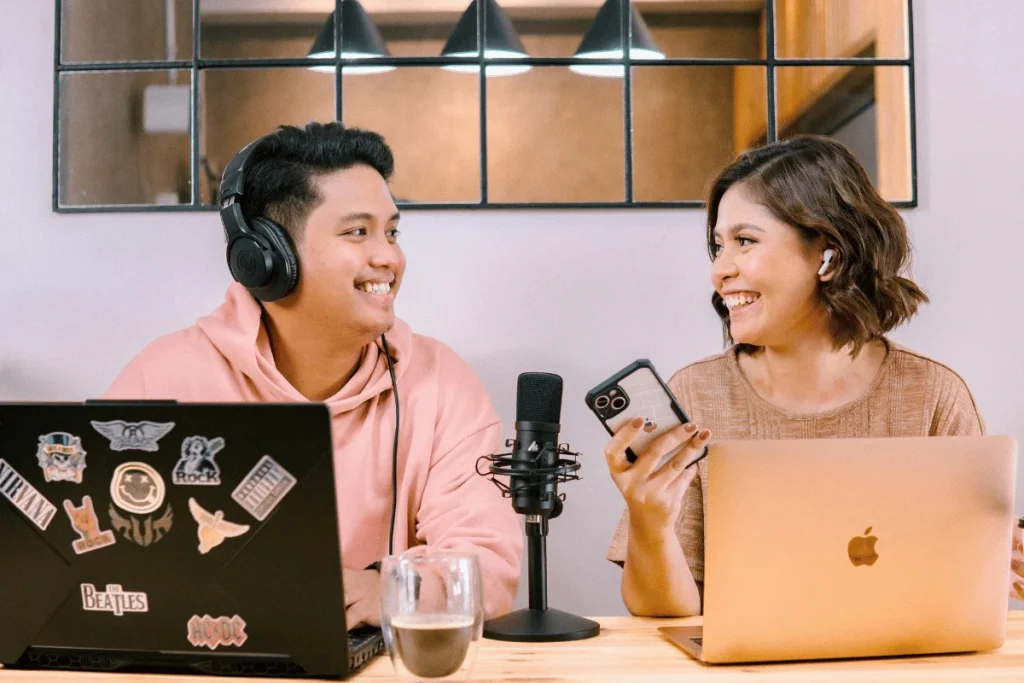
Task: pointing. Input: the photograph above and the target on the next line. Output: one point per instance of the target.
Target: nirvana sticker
(196, 467)
(85, 522)
(263, 488)
(138, 489)
(113, 600)
(133, 436)
(207, 631)
(213, 529)
(25, 497)
(61, 457)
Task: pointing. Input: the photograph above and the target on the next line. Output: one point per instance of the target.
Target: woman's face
(766, 273)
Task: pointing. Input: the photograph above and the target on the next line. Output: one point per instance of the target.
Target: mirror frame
(198, 64)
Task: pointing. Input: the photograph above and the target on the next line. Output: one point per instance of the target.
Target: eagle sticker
(213, 528)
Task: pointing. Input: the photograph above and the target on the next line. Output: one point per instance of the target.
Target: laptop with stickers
(160, 536)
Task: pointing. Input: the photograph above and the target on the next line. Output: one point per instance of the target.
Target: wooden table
(631, 649)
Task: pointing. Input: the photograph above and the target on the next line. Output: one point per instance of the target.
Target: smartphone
(637, 391)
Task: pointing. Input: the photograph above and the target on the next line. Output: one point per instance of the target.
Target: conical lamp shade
(603, 40)
(360, 38)
(502, 41)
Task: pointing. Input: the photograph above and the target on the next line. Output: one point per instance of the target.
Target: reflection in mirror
(261, 29)
(431, 120)
(360, 39)
(555, 136)
(684, 127)
(239, 105)
(124, 138)
(706, 30)
(866, 107)
(603, 40)
(840, 29)
(119, 31)
(500, 40)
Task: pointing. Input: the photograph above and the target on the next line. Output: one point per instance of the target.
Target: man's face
(350, 264)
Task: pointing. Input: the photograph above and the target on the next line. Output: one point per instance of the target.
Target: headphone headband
(260, 254)
(232, 183)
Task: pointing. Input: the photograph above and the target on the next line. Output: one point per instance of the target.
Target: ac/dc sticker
(213, 528)
(138, 489)
(263, 488)
(115, 599)
(61, 457)
(25, 497)
(212, 632)
(84, 521)
(196, 466)
(133, 436)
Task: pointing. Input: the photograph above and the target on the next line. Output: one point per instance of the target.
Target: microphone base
(540, 626)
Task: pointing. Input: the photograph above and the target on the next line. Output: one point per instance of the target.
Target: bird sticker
(213, 528)
(133, 436)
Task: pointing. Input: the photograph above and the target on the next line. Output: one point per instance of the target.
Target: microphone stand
(539, 623)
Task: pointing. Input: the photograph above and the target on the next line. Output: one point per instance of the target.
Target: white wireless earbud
(826, 260)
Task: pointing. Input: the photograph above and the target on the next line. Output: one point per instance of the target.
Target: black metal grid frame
(197, 64)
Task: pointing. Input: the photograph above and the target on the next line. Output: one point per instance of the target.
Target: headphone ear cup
(285, 261)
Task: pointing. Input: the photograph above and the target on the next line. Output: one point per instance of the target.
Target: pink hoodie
(447, 423)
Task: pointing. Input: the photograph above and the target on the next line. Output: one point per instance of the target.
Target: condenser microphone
(534, 469)
(535, 453)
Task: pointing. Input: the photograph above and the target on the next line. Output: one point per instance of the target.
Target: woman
(807, 263)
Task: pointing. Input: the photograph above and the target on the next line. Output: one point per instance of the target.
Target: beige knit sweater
(911, 396)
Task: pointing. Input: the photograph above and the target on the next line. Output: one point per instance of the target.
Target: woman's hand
(655, 496)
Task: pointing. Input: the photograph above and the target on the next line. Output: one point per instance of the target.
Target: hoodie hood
(236, 330)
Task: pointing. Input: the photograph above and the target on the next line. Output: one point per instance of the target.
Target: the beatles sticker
(25, 497)
(196, 466)
(263, 488)
(138, 489)
(114, 599)
(213, 632)
(213, 528)
(84, 521)
(133, 436)
(61, 457)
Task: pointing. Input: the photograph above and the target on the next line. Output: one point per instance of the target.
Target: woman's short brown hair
(816, 185)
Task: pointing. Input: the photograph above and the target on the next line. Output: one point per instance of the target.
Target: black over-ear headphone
(261, 255)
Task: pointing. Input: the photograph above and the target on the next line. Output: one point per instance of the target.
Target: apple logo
(862, 549)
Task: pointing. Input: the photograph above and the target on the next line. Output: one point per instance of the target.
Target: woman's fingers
(615, 449)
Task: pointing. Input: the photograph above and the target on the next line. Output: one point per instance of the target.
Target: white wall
(577, 293)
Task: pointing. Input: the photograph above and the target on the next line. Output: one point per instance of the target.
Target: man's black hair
(279, 180)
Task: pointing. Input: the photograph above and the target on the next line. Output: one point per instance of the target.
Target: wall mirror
(569, 103)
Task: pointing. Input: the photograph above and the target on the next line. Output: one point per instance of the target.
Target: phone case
(636, 391)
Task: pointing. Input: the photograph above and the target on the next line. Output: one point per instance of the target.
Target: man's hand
(1017, 567)
(362, 597)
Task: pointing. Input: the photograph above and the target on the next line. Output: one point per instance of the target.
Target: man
(313, 331)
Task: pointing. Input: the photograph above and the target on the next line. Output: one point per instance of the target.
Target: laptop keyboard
(359, 637)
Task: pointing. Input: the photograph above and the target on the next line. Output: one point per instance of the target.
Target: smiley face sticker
(137, 488)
